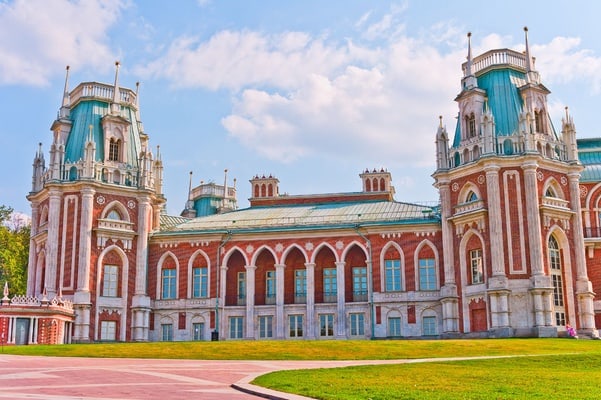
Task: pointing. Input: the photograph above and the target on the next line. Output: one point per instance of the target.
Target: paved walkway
(66, 378)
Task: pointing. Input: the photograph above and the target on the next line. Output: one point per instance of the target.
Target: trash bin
(214, 336)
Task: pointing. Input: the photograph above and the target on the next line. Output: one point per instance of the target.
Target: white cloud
(39, 36)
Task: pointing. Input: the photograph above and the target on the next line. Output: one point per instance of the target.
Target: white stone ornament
(131, 204)
(100, 200)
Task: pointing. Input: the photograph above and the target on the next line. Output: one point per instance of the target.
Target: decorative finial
(440, 123)
(528, 59)
(468, 72)
(116, 93)
(5, 298)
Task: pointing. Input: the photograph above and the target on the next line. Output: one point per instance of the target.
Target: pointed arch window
(476, 266)
(110, 281)
(168, 277)
(393, 275)
(471, 196)
(114, 149)
(555, 270)
(550, 192)
(114, 214)
(539, 126)
(471, 125)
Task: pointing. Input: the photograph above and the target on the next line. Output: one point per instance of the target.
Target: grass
(558, 368)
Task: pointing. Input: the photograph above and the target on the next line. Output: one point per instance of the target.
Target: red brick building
(511, 249)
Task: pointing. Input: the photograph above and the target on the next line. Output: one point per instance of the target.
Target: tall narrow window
(357, 324)
(266, 326)
(169, 283)
(326, 325)
(393, 275)
(477, 269)
(270, 287)
(329, 285)
(300, 285)
(296, 325)
(394, 326)
(109, 282)
(557, 279)
(197, 330)
(539, 125)
(199, 282)
(429, 326)
(167, 332)
(114, 146)
(427, 274)
(359, 284)
(108, 330)
(471, 125)
(241, 288)
(236, 324)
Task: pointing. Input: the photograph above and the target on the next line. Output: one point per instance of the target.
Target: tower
(93, 210)
(511, 219)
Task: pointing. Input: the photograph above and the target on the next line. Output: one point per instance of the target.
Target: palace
(512, 248)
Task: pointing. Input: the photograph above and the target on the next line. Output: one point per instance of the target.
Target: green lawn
(554, 368)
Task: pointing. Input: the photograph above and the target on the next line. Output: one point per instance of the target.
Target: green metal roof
(311, 216)
(589, 154)
(91, 112)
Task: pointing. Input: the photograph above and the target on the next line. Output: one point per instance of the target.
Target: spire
(115, 108)
(469, 54)
(569, 136)
(469, 80)
(528, 59)
(64, 111)
(442, 146)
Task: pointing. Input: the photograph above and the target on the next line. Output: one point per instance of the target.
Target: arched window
(376, 189)
(471, 196)
(263, 190)
(476, 266)
(471, 126)
(114, 214)
(270, 190)
(168, 287)
(382, 184)
(368, 185)
(539, 126)
(256, 190)
(110, 281)
(114, 148)
(555, 270)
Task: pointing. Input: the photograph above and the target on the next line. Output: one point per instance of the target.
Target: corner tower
(93, 210)
(512, 225)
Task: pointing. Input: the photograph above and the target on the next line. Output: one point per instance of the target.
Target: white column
(341, 301)
(279, 301)
(250, 301)
(495, 221)
(52, 242)
(311, 330)
(533, 218)
(141, 300)
(32, 263)
(85, 239)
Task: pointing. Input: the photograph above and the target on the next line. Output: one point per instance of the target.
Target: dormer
(264, 187)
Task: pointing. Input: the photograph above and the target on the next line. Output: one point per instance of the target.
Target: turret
(262, 186)
(39, 167)
(442, 146)
(377, 181)
(568, 131)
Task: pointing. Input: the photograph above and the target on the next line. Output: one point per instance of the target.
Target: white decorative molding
(455, 187)
(279, 247)
(309, 246)
(481, 179)
(200, 243)
(583, 191)
(100, 200)
(249, 249)
(391, 235)
(339, 245)
(168, 245)
(540, 176)
(131, 204)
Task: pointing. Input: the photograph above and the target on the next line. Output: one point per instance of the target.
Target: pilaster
(311, 329)
(341, 303)
(250, 301)
(279, 301)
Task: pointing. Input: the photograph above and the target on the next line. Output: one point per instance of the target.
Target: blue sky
(312, 92)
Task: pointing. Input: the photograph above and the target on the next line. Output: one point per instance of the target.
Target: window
(169, 283)
(197, 330)
(429, 326)
(114, 149)
(359, 284)
(108, 330)
(357, 324)
(471, 196)
(296, 325)
(329, 285)
(114, 214)
(471, 126)
(393, 275)
(427, 274)
(300, 285)
(394, 326)
(266, 326)
(199, 282)
(166, 332)
(109, 283)
(539, 126)
(236, 327)
(477, 269)
(550, 192)
(241, 288)
(326, 325)
(557, 279)
(270, 287)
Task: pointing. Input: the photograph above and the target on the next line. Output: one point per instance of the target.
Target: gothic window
(427, 274)
(555, 270)
(241, 288)
(270, 190)
(114, 214)
(471, 196)
(476, 266)
(471, 126)
(375, 185)
(382, 184)
(539, 126)
(368, 185)
(114, 147)
(550, 192)
(168, 277)
(270, 287)
(330, 284)
(256, 190)
(393, 275)
(110, 280)
(199, 282)
(263, 190)
(300, 285)
(359, 283)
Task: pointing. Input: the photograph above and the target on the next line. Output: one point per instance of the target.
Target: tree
(14, 250)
